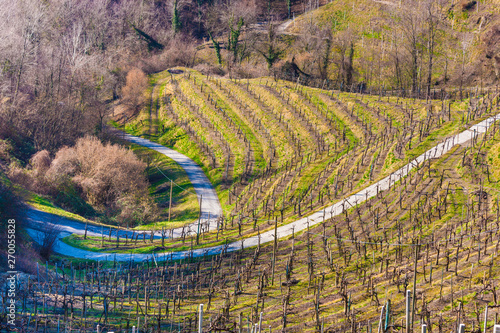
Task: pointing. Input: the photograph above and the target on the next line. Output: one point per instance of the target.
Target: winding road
(211, 208)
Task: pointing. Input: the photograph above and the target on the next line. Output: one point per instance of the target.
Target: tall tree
(234, 37)
(465, 43)
(432, 24)
(409, 21)
(228, 19)
(344, 44)
(271, 49)
(176, 21)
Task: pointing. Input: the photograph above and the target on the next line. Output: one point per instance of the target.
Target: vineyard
(250, 166)
(277, 151)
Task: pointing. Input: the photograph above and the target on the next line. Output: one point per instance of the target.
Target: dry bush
(48, 239)
(104, 172)
(134, 209)
(5, 150)
(40, 162)
(110, 178)
(180, 51)
(248, 71)
(26, 258)
(305, 62)
(133, 91)
(208, 69)
(11, 207)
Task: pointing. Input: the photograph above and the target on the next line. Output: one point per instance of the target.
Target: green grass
(45, 205)
(418, 217)
(93, 244)
(161, 169)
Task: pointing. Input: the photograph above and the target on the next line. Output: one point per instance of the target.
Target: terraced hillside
(434, 234)
(275, 151)
(279, 150)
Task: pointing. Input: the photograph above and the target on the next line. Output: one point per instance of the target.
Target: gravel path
(283, 231)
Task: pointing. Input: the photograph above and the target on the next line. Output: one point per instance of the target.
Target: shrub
(248, 70)
(133, 91)
(467, 4)
(91, 178)
(40, 162)
(108, 177)
(20, 176)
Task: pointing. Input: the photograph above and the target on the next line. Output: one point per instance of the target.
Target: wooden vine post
(199, 222)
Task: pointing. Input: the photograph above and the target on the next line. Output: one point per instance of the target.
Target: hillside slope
(396, 41)
(434, 234)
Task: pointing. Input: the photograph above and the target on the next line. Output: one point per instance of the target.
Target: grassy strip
(185, 207)
(141, 246)
(47, 206)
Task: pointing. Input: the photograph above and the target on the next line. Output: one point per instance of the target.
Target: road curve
(210, 205)
(211, 209)
(296, 226)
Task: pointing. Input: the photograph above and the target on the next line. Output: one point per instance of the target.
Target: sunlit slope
(273, 147)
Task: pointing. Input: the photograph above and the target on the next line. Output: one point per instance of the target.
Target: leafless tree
(465, 43)
(410, 22)
(317, 43)
(48, 239)
(133, 91)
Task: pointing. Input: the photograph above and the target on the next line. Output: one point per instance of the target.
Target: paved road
(210, 205)
(211, 209)
(296, 226)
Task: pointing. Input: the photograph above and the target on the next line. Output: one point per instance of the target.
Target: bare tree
(48, 239)
(432, 25)
(317, 43)
(228, 19)
(465, 42)
(396, 57)
(409, 21)
(344, 45)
